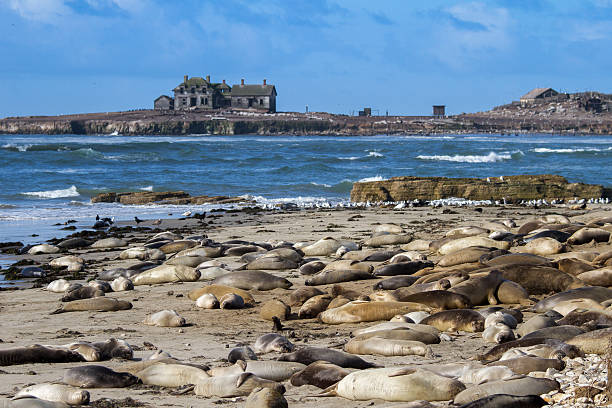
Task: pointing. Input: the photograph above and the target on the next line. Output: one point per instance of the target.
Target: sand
(210, 334)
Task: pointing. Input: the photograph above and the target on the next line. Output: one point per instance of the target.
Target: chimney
(185, 78)
(207, 78)
(264, 82)
(224, 82)
(242, 81)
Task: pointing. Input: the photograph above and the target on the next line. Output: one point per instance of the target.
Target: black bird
(97, 217)
(138, 220)
(109, 220)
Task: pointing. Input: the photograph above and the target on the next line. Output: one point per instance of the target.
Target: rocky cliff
(162, 197)
(512, 188)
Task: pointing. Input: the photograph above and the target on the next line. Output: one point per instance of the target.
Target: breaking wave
(492, 157)
(567, 150)
(69, 192)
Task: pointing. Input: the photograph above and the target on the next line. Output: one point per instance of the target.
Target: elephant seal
(100, 285)
(535, 323)
(391, 384)
(359, 311)
(207, 301)
(480, 289)
(272, 262)
(581, 317)
(539, 280)
(511, 293)
(454, 320)
(522, 386)
(37, 354)
(143, 254)
(95, 376)
(598, 294)
(312, 267)
(574, 266)
(165, 318)
(266, 398)
(498, 333)
(438, 299)
(402, 268)
(171, 375)
(70, 263)
(388, 227)
(388, 239)
(186, 260)
(544, 247)
(220, 290)
(273, 370)
(586, 235)
(567, 306)
(467, 231)
(455, 245)
(528, 364)
(231, 301)
(43, 249)
(562, 333)
(84, 292)
(309, 355)
(61, 286)
(313, 306)
(167, 274)
(387, 347)
(272, 342)
(121, 284)
(514, 259)
(338, 301)
(115, 273)
(32, 402)
(234, 385)
(177, 246)
(248, 280)
(323, 247)
(55, 392)
(109, 243)
(396, 282)
(102, 350)
(501, 317)
(507, 401)
(96, 304)
(597, 277)
(243, 353)
(321, 374)
(594, 342)
(466, 255)
(327, 277)
(498, 351)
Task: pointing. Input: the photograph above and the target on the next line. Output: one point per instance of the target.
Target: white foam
(69, 192)
(492, 157)
(567, 150)
(349, 158)
(375, 154)
(375, 178)
(314, 183)
(19, 148)
(147, 188)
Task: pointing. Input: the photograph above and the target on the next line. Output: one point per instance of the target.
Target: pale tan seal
(143, 254)
(275, 308)
(528, 364)
(388, 239)
(272, 262)
(234, 385)
(387, 347)
(359, 311)
(97, 304)
(166, 274)
(121, 284)
(512, 293)
(302, 294)
(272, 342)
(165, 318)
(480, 289)
(498, 333)
(43, 249)
(313, 306)
(586, 235)
(522, 386)
(231, 301)
(220, 290)
(597, 277)
(55, 392)
(466, 255)
(171, 375)
(266, 398)
(248, 280)
(462, 243)
(458, 319)
(594, 342)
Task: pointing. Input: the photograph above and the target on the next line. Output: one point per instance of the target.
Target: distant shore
(151, 122)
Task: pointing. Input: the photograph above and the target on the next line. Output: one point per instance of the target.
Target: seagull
(488, 180)
(187, 213)
(501, 178)
(138, 220)
(157, 221)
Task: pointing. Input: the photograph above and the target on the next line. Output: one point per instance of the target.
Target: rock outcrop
(512, 188)
(162, 197)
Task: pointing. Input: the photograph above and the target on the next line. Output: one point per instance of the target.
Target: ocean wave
(69, 192)
(349, 158)
(375, 178)
(492, 157)
(314, 183)
(568, 150)
(16, 147)
(375, 154)
(147, 188)
(370, 154)
(7, 206)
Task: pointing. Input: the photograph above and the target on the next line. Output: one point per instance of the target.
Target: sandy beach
(210, 334)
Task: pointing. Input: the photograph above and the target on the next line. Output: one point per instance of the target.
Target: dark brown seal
(37, 354)
(95, 376)
(440, 299)
(309, 355)
(320, 374)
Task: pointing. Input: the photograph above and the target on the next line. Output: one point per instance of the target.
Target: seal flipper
(402, 371)
(328, 392)
(242, 378)
(57, 311)
(491, 297)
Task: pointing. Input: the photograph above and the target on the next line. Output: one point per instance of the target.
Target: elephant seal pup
(596, 293)
(454, 320)
(268, 369)
(544, 247)
(498, 351)
(272, 342)
(387, 347)
(231, 301)
(330, 276)
(95, 376)
(167, 274)
(207, 301)
(396, 282)
(501, 317)
(402, 268)
(43, 249)
(312, 267)
(507, 401)
(391, 384)
(360, 311)
(265, 398)
(61, 286)
(121, 284)
(96, 304)
(243, 353)
(321, 374)
(594, 342)
(171, 375)
(480, 289)
(220, 290)
(313, 306)
(84, 292)
(466, 255)
(512, 292)
(535, 323)
(234, 385)
(439, 299)
(55, 392)
(37, 354)
(522, 386)
(309, 355)
(248, 280)
(300, 295)
(32, 402)
(528, 364)
(164, 318)
(498, 333)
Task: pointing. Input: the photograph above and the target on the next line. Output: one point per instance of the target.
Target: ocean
(47, 180)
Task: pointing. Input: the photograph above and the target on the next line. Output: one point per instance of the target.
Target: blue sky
(66, 56)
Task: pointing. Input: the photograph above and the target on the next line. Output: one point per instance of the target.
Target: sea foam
(567, 150)
(492, 157)
(69, 192)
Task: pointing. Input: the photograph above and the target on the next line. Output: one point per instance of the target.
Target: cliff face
(512, 188)
(162, 197)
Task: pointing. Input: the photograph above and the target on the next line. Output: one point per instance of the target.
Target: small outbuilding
(164, 102)
(538, 93)
(256, 97)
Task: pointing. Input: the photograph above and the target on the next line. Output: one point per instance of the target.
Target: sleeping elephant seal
(498, 333)
(438, 299)
(457, 319)
(165, 318)
(171, 375)
(528, 364)
(498, 351)
(507, 401)
(581, 317)
(387, 347)
(84, 292)
(221, 290)
(33, 402)
(359, 311)
(266, 398)
(248, 280)
(402, 334)
(595, 342)
(596, 293)
(243, 353)
(321, 374)
(167, 274)
(512, 292)
(37, 354)
(522, 386)
(272, 342)
(309, 355)
(55, 392)
(234, 385)
(326, 277)
(96, 304)
(231, 301)
(95, 376)
(480, 289)
(396, 282)
(391, 384)
(562, 333)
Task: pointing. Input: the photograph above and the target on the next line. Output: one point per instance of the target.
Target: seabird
(157, 221)
(138, 220)
(501, 178)
(488, 180)
(187, 213)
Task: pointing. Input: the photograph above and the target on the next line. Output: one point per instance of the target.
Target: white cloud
(39, 10)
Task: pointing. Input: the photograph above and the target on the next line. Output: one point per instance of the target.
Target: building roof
(534, 93)
(253, 90)
(193, 81)
(163, 96)
(220, 85)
